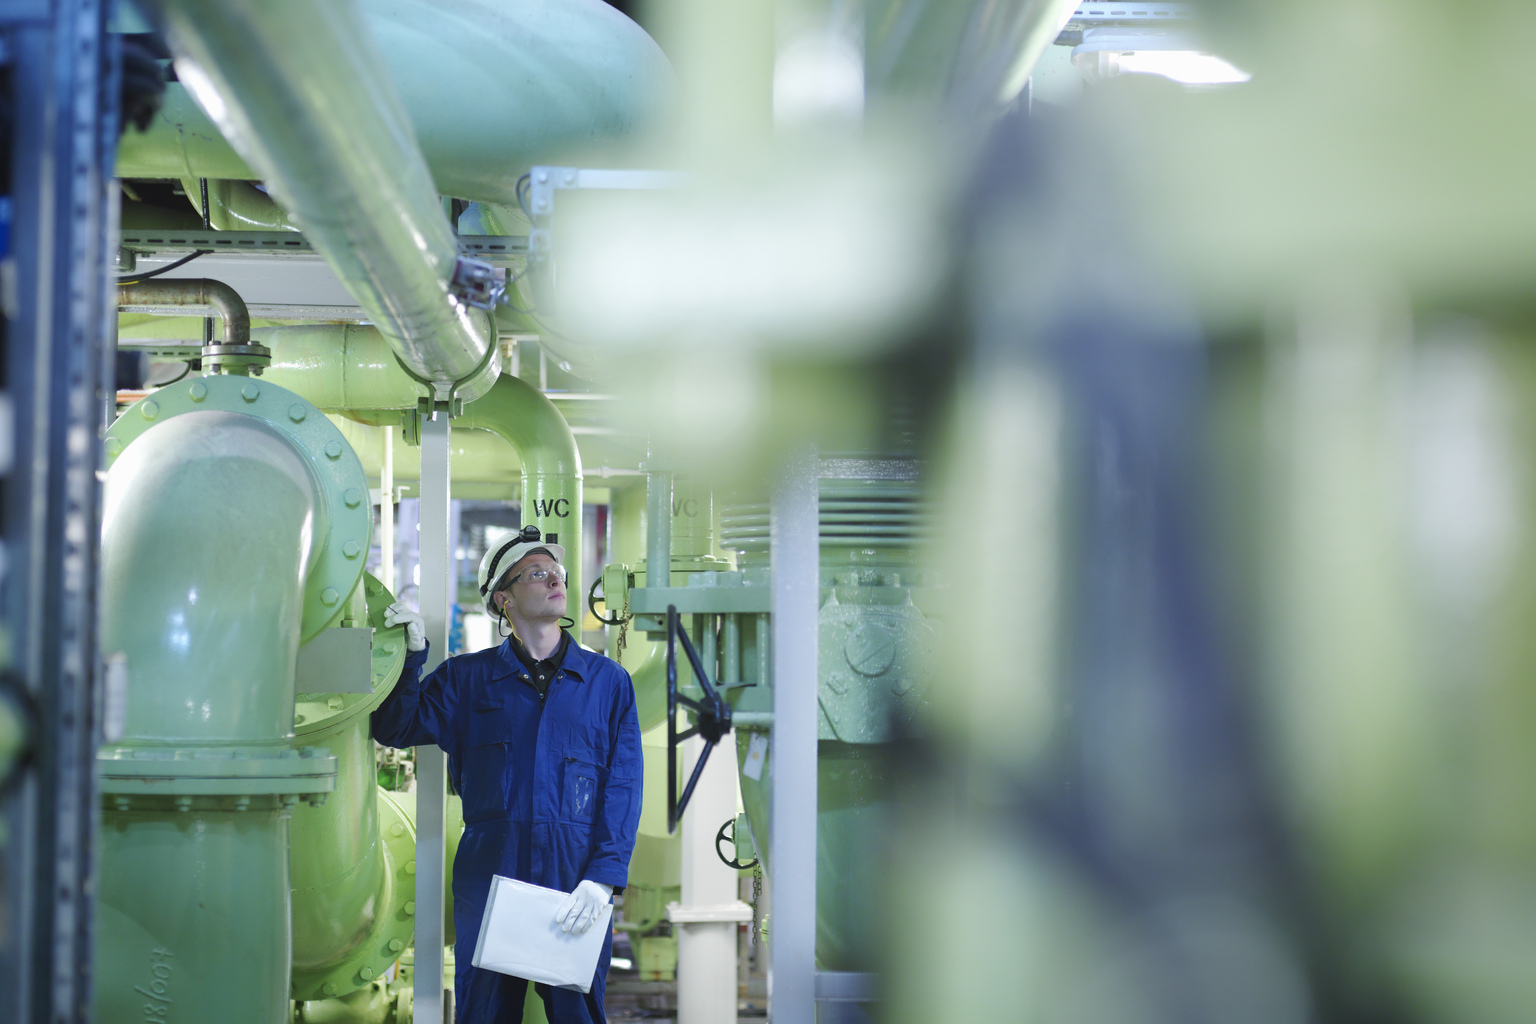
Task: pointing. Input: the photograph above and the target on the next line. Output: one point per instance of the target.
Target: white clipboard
(519, 936)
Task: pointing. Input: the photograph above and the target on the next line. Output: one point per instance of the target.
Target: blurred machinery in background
(1057, 473)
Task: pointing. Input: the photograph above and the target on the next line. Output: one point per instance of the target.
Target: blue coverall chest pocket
(578, 800)
(484, 777)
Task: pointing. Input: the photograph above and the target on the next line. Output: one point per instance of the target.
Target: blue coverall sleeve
(614, 835)
(419, 711)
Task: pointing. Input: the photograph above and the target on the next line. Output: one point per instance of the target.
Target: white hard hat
(500, 559)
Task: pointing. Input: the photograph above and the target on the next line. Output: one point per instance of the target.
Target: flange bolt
(250, 392)
(198, 391)
(297, 412)
(333, 450)
(150, 410)
(328, 596)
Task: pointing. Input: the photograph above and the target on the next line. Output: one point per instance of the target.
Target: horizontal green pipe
(488, 87)
(478, 456)
(338, 367)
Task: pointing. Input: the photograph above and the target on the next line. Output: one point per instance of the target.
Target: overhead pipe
(342, 368)
(193, 904)
(300, 90)
(542, 81)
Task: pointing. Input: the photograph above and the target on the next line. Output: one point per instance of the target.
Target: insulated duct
(541, 81)
(300, 90)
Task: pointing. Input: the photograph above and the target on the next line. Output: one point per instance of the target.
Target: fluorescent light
(1111, 51)
(1190, 67)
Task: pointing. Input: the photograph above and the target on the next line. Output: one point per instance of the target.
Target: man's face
(536, 599)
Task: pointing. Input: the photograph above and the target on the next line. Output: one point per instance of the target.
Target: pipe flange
(342, 486)
(225, 358)
(321, 712)
(396, 915)
(216, 771)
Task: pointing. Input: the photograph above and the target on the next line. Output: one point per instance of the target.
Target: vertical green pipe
(210, 525)
(336, 858)
(530, 423)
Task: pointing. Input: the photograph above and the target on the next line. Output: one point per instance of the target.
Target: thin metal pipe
(794, 559)
(387, 512)
(431, 765)
(730, 666)
(658, 528)
(194, 292)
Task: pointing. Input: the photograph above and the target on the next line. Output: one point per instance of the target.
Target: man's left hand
(580, 908)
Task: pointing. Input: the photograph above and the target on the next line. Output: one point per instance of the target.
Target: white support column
(431, 766)
(706, 921)
(387, 512)
(794, 556)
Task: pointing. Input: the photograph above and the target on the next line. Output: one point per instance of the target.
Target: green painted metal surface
(233, 521)
(873, 644)
(489, 89)
(552, 498)
(351, 859)
(339, 367)
(334, 537)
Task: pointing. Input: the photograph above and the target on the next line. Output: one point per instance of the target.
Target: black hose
(136, 278)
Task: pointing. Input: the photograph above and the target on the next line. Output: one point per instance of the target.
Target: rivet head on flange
(366, 973)
(329, 596)
(352, 496)
(351, 549)
(114, 445)
(198, 391)
(410, 908)
(395, 945)
(297, 412)
(333, 450)
(397, 830)
(149, 409)
(410, 867)
(329, 988)
(250, 392)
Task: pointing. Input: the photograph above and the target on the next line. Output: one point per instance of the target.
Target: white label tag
(757, 753)
(114, 702)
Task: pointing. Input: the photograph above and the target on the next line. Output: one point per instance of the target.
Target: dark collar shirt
(541, 672)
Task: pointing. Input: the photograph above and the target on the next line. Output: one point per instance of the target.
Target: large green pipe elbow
(301, 91)
(518, 412)
(233, 527)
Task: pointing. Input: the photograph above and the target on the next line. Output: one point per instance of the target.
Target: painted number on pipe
(558, 507)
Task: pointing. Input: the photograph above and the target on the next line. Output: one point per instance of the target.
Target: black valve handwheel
(711, 716)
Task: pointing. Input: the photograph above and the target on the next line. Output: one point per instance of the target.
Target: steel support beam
(61, 80)
(436, 599)
(794, 557)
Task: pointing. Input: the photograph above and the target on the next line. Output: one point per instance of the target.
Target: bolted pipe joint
(235, 352)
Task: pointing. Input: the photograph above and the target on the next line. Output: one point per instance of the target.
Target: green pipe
(521, 415)
(237, 206)
(211, 523)
(339, 367)
(489, 87)
(479, 457)
(301, 91)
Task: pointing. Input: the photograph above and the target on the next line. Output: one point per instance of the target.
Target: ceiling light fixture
(1133, 50)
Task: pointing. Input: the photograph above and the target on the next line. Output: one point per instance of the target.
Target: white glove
(580, 908)
(400, 614)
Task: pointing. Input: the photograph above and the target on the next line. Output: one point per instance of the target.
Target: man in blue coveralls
(543, 746)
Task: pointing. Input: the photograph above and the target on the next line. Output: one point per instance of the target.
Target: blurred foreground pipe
(300, 90)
